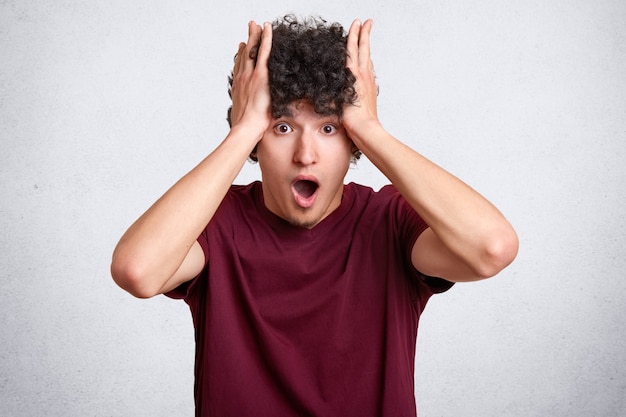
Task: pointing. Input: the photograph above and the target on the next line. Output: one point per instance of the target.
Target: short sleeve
(410, 226)
(184, 290)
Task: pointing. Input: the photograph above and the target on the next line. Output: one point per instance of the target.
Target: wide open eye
(329, 129)
(282, 128)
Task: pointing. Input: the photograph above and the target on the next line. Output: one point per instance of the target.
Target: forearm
(155, 253)
(469, 238)
(154, 247)
(466, 223)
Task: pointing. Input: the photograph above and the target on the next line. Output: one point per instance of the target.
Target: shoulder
(386, 192)
(244, 192)
(387, 201)
(243, 196)
(388, 198)
(362, 193)
(383, 208)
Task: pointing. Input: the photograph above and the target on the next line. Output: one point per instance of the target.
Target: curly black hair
(307, 62)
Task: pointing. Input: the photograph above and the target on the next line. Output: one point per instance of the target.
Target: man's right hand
(250, 90)
(160, 250)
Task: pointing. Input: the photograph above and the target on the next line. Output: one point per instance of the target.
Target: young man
(305, 292)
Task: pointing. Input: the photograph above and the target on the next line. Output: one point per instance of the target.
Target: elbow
(498, 253)
(132, 278)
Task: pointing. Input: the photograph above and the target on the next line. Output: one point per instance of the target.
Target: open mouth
(305, 188)
(305, 192)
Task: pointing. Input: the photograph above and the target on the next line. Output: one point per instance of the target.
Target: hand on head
(250, 81)
(360, 63)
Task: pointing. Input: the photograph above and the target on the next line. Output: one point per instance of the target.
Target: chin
(306, 222)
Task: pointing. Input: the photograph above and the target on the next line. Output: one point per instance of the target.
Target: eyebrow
(330, 117)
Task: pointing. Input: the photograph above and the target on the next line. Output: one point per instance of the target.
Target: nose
(305, 152)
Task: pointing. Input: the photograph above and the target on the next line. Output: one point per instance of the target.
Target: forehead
(304, 109)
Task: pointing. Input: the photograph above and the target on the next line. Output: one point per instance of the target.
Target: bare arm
(468, 238)
(160, 250)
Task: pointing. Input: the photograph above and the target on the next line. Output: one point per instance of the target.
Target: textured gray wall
(103, 105)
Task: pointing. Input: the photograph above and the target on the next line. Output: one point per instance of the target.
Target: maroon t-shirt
(297, 322)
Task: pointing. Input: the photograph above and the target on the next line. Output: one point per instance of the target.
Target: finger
(364, 45)
(254, 34)
(265, 47)
(352, 44)
(238, 57)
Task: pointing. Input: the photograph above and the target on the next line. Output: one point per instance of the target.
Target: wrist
(250, 133)
(364, 132)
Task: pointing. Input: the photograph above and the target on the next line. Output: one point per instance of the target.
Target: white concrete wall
(103, 105)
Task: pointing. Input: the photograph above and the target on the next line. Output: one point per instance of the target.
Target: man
(305, 292)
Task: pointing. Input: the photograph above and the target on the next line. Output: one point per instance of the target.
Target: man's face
(304, 159)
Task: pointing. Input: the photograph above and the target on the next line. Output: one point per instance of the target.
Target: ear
(356, 153)
(253, 156)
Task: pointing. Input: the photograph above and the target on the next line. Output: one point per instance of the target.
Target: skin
(304, 147)
(468, 238)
